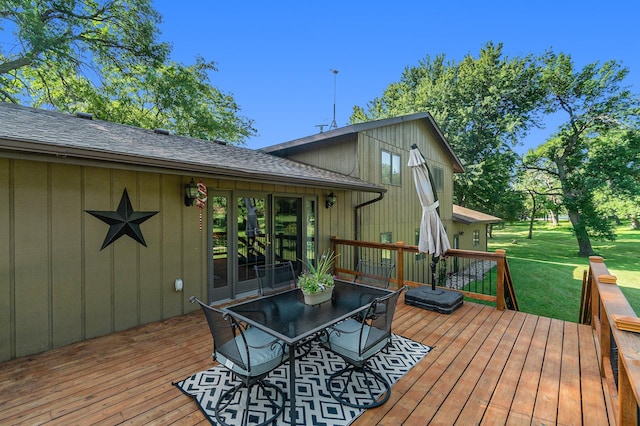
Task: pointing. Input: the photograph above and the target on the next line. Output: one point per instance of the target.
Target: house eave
(468, 216)
(99, 158)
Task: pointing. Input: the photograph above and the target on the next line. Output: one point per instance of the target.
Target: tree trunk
(584, 243)
(634, 223)
(554, 217)
(571, 201)
(533, 215)
(530, 236)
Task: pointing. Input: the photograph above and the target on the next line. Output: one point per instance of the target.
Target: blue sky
(276, 57)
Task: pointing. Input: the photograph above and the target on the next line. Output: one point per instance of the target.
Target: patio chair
(356, 341)
(275, 277)
(377, 274)
(250, 354)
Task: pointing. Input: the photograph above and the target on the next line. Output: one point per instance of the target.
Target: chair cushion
(343, 340)
(266, 353)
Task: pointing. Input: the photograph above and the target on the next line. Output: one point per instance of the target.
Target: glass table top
(286, 316)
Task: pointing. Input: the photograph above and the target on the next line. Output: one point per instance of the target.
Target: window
(391, 168)
(476, 238)
(438, 178)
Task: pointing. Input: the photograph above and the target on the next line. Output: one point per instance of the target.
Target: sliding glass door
(250, 229)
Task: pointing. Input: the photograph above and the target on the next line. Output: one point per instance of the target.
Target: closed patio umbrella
(433, 237)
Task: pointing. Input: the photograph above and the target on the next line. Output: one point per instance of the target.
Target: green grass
(547, 271)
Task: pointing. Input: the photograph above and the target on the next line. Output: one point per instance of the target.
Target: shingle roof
(37, 131)
(340, 132)
(468, 216)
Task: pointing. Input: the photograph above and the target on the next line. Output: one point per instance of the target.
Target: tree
(104, 57)
(619, 193)
(483, 105)
(594, 102)
(542, 190)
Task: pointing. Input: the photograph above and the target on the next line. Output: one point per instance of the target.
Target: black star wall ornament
(123, 221)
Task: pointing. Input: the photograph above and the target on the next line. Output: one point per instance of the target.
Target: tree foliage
(104, 57)
(483, 105)
(594, 103)
(619, 191)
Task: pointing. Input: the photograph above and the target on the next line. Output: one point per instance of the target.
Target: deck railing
(618, 350)
(478, 275)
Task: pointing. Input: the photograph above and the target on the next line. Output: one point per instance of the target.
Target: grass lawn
(547, 271)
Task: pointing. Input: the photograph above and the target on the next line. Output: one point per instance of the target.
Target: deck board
(569, 406)
(593, 405)
(486, 367)
(515, 394)
(471, 372)
(478, 400)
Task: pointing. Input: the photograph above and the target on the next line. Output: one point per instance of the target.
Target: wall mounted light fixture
(190, 193)
(331, 200)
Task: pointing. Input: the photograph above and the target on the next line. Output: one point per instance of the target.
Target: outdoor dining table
(286, 316)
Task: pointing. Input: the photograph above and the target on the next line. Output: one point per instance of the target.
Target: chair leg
(338, 382)
(274, 394)
(277, 394)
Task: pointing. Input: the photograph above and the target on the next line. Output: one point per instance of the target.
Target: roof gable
(312, 141)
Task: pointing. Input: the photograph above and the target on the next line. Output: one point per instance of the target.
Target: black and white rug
(314, 403)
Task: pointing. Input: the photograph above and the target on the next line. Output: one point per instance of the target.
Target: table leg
(292, 384)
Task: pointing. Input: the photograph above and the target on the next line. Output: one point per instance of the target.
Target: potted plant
(316, 282)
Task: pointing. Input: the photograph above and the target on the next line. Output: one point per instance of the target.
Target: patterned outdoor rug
(314, 403)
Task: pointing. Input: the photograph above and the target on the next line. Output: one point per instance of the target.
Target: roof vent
(161, 131)
(84, 115)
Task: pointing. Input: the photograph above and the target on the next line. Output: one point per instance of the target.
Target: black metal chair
(377, 274)
(356, 341)
(275, 277)
(250, 354)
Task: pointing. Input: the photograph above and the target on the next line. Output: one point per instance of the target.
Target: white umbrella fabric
(433, 237)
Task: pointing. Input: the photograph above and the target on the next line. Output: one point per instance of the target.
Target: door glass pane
(287, 219)
(252, 241)
(220, 243)
(310, 220)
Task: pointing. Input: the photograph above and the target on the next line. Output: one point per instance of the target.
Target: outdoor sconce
(331, 200)
(190, 193)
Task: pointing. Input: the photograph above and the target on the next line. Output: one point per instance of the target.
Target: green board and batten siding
(400, 212)
(58, 287)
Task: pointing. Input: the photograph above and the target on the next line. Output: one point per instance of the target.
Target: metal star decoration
(123, 221)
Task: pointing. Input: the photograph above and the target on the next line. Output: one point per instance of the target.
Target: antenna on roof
(333, 123)
(322, 126)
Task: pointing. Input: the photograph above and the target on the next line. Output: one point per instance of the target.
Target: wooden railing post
(595, 296)
(500, 302)
(627, 405)
(400, 266)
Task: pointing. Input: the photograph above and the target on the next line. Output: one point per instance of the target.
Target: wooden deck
(486, 367)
